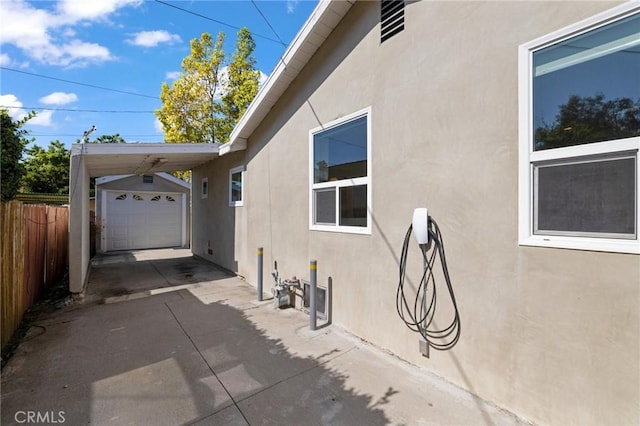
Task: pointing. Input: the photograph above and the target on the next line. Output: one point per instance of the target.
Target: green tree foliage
(115, 138)
(242, 82)
(590, 119)
(13, 140)
(202, 105)
(47, 170)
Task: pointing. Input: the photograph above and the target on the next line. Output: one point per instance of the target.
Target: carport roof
(143, 158)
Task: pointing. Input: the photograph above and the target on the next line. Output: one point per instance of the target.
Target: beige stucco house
(512, 122)
(453, 106)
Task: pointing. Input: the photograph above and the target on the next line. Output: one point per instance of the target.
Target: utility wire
(216, 21)
(125, 136)
(79, 110)
(79, 84)
(268, 23)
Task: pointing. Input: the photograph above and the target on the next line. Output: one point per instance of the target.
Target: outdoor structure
(98, 160)
(489, 114)
(455, 106)
(142, 211)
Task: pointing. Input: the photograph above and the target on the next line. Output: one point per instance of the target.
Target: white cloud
(4, 60)
(153, 38)
(59, 98)
(262, 79)
(172, 75)
(17, 112)
(291, 5)
(14, 106)
(157, 125)
(43, 118)
(49, 36)
(76, 10)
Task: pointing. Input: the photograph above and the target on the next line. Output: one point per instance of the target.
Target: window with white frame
(236, 192)
(580, 135)
(340, 175)
(204, 188)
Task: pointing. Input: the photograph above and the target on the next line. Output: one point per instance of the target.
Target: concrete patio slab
(164, 338)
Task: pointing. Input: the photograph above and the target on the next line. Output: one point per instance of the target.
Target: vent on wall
(391, 18)
(147, 178)
(322, 303)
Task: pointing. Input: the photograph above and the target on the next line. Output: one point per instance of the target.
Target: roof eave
(311, 36)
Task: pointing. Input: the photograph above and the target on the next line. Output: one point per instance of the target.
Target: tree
(242, 82)
(590, 119)
(47, 171)
(115, 138)
(13, 140)
(203, 105)
(189, 106)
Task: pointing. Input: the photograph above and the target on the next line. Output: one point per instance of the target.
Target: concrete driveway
(163, 338)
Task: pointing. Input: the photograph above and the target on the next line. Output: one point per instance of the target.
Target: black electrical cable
(420, 318)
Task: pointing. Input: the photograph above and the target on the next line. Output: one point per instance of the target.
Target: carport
(96, 160)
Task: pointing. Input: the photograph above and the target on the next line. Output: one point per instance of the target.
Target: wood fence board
(36, 227)
(34, 253)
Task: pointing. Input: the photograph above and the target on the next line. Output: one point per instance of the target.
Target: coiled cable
(420, 316)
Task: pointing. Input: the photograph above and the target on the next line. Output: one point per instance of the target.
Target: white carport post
(79, 250)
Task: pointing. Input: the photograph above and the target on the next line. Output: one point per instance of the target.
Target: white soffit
(144, 158)
(313, 33)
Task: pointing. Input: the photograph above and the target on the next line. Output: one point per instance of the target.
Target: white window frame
(366, 112)
(239, 203)
(528, 158)
(204, 183)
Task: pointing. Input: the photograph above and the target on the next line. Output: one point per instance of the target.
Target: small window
(156, 198)
(579, 138)
(340, 195)
(138, 197)
(204, 188)
(391, 18)
(169, 198)
(121, 197)
(147, 178)
(236, 190)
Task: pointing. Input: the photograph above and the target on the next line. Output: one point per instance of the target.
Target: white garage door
(143, 220)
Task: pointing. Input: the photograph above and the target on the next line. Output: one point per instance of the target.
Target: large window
(580, 135)
(340, 175)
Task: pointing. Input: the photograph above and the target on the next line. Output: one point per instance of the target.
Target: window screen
(325, 206)
(594, 198)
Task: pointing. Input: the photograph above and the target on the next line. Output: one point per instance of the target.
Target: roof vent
(391, 18)
(147, 178)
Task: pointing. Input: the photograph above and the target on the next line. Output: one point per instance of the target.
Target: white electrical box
(420, 225)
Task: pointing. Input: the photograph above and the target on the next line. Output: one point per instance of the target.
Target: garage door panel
(138, 221)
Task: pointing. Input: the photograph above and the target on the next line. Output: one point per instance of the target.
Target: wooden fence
(34, 249)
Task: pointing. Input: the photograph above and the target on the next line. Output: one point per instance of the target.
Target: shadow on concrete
(172, 359)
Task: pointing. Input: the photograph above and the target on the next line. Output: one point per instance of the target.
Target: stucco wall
(552, 335)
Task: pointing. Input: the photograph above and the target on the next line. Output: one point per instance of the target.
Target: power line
(216, 21)
(79, 110)
(124, 136)
(268, 23)
(78, 83)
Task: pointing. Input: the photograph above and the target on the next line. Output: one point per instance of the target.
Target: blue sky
(127, 46)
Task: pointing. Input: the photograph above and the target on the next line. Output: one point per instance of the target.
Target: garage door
(143, 220)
